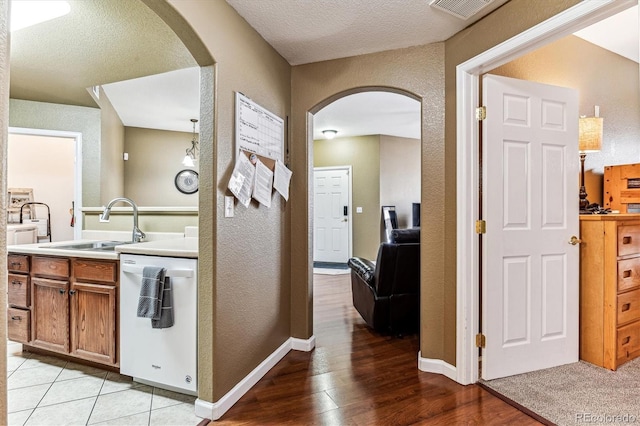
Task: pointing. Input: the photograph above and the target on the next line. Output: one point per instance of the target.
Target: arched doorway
(378, 142)
(192, 43)
(314, 87)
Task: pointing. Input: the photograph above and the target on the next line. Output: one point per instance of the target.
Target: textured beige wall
(509, 20)
(39, 115)
(417, 71)
(111, 148)
(155, 157)
(603, 78)
(363, 154)
(247, 268)
(4, 124)
(400, 176)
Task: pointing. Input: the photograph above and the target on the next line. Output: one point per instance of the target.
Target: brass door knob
(574, 240)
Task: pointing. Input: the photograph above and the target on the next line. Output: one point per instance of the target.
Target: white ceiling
(370, 113)
(305, 31)
(618, 33)
(165, 101)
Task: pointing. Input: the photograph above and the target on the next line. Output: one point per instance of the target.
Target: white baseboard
(304, 345)
(437, 366)
(215, 410)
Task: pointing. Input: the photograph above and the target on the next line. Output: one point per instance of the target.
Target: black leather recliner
(387, 294)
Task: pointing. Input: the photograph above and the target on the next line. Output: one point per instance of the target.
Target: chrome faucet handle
(138, 235)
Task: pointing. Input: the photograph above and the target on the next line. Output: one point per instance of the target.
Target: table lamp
(590, 140)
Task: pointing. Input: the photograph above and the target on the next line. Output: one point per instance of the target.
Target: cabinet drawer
(50, 266)
(628, 239)
(18, 263)
(93, 270)
(628, 307)
(18, 290)
(628, 273)
(19, 325)
(628, 344)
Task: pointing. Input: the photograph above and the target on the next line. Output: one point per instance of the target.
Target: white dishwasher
(163, 357)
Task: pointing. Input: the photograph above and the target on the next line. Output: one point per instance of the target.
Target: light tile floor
(43, 390)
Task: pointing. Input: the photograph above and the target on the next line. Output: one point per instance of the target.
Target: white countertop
(51, 250)
(175, 247)
(179, 247)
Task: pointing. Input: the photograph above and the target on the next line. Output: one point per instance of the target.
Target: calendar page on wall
(258, 130)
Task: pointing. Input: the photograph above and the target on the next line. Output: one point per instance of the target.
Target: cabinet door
(18, 290)
(93, 321)
(50, 316)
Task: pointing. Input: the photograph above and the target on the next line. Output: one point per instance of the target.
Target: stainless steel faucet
(138, 235)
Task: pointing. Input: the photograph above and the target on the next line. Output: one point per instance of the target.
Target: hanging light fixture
(190, 156)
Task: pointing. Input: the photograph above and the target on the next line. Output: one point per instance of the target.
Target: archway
(314, 87)
(203, 58)
(361, 144)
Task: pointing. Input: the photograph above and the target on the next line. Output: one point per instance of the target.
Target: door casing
(468, 169)
(77, 197)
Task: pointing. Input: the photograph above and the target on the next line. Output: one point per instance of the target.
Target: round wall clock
(187, 181)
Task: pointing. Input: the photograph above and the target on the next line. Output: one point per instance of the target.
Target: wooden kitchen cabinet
(93, 310)
(18, 299)
(72, 307)
(609, 289)
(50, 324)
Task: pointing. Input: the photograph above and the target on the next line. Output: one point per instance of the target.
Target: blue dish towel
(166, 312)
(150, 300)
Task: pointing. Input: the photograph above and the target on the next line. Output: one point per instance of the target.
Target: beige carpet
(578, 393)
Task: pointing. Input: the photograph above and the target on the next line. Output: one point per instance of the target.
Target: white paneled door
(331, 213)
(530, 204)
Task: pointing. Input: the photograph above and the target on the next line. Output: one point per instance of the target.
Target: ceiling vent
(463, 9)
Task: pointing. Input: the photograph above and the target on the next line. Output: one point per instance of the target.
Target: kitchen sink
(90, 246)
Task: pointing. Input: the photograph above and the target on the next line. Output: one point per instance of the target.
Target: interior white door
(530, 204)
(331, 215)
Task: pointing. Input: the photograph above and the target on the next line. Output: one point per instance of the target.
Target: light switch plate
(228, 206)
(358, 209)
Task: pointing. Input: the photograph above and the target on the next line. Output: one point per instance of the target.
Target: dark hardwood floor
(356, 376)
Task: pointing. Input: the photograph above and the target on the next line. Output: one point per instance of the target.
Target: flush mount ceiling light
(26, 13)
(190, 156)
(329, 134)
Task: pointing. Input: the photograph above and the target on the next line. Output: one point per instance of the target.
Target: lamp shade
(590, 131)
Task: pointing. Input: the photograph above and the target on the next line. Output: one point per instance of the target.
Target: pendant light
(190, 156)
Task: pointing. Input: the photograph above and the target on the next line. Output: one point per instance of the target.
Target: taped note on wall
(263, 186)
(242, 179)
(282, 179)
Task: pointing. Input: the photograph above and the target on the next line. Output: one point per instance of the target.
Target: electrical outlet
(228, 206)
